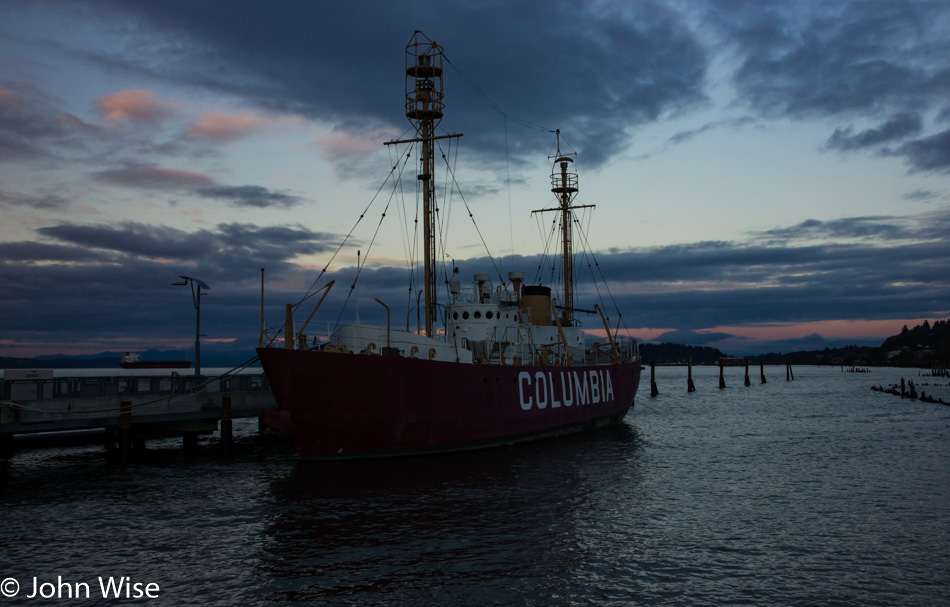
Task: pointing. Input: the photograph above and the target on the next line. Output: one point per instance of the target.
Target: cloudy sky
(767, 176)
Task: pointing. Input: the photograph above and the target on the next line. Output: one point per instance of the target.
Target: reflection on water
(435, 530)
(816, 491)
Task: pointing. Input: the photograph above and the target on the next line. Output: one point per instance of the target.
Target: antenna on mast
(564, 187)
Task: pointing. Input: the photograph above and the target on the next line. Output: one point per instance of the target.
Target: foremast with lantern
(506, 366)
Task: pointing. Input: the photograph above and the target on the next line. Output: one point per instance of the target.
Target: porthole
(488, 315)
(465, 315)
(478, 314)
(455, 315)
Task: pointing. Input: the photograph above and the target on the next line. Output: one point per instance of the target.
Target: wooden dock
(131, 409)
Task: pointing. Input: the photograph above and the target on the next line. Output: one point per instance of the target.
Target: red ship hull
(346, 405)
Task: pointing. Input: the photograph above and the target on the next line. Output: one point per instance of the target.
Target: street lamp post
(196, 300)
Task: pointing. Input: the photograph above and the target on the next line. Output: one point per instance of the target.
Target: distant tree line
(923, 346)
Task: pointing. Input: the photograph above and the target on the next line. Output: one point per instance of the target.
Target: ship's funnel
(536, 303)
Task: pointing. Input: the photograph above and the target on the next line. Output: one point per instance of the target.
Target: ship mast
(424, 110)
(564, 187)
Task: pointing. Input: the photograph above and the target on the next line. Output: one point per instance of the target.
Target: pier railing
(115, 386)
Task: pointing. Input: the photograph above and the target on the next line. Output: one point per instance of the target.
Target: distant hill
(848, 355)
(921, 346)
(59, 362)
(110, 360)
(677, 354)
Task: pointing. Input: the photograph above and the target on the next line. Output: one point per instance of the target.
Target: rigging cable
(511, 229)
(311, 292)
(547, 246)
(359, 268)
(491, 103)
(409, 241)
(472, 217)
(603, 278)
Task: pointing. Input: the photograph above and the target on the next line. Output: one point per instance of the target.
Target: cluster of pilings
(723, 362)
(128, 441)
(907, 389)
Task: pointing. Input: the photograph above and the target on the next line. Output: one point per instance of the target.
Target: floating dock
(130, 408)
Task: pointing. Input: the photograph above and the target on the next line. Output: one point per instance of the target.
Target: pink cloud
(837, 329)
(149, 176)
(227, 127)
(8, 97)
(133, 105)
(336, 145)
(88, 209)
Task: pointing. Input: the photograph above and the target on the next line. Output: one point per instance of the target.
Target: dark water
(812, 492)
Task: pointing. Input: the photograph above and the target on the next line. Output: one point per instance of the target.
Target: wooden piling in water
(762, 370)
(226, 424)
(789, 376)
(6, 444)
(125, 429)
(722, 379)
(189, 442)
(690, 386)
(6, 447)
(747, 383)
(654, 391)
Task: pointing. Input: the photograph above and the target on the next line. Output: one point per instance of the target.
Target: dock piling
(722, 379)
(690, 386)
(654, 391)
(6, 447)
(125, 429)
(189, 442)
(226, 425)
(762, 370)
(789, 376)
(747, 383)
(139, 444)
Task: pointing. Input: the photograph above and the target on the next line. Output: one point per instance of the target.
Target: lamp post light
(196, 300)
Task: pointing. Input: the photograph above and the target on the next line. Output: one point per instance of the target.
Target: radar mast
(424, 107)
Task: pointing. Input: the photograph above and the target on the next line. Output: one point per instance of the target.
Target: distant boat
(131, 361)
